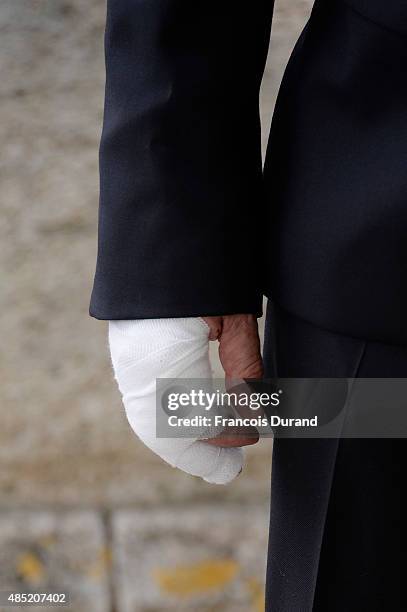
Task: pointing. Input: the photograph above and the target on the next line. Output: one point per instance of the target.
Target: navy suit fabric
(189, 225)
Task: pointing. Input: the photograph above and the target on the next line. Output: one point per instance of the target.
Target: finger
(233, 436)
(239, 348)
(215, 326)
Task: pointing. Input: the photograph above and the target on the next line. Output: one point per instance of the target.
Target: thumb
(239, 352)
(239, 347)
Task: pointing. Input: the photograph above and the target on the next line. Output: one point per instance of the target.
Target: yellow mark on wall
(47, 541)
(30, 567)
(187, 580)
(101, 565)
(256, 591)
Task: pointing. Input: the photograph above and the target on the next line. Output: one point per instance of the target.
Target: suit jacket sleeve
(180, 159)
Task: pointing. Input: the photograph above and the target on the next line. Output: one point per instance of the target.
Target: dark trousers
(338, 518)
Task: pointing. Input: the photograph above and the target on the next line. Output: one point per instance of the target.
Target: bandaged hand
(146, 349)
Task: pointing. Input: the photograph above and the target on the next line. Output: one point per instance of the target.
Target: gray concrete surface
(56, 552)
(65, 446)
(191, 558)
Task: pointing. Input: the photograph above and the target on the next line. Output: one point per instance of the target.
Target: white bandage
(146, 349)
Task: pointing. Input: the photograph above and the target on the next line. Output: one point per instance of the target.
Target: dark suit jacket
(190, 226)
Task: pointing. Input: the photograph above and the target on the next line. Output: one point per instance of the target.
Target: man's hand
(239, 352)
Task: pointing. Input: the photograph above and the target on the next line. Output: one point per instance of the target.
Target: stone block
(52, 552)
(202, 558)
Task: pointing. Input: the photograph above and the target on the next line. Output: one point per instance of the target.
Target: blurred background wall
(84, 507)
